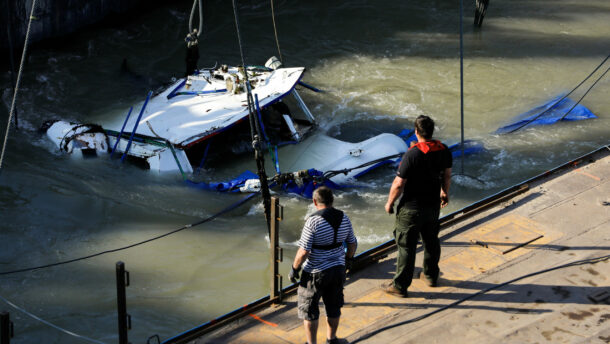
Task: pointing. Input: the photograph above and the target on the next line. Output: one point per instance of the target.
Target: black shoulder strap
(334, 218)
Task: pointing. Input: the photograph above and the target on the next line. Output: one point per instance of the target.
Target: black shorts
(327, 284)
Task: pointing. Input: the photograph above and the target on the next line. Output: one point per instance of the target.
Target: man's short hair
(323, 195)
(424, 126)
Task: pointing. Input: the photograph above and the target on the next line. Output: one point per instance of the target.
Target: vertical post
(5, 328)
(122, 281)
(462, 82)
(276, 251)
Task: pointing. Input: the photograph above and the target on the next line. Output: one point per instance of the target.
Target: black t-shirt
(424, 174)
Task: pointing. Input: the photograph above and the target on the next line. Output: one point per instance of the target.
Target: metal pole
(462, 81)
(255, 130)
(122, 281)
(5, 328)
(276, 250)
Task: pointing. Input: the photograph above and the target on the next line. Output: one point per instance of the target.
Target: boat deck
(559, 219)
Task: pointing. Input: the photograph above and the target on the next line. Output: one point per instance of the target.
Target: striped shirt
(317, 231)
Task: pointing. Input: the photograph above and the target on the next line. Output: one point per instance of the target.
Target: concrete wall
(54, 17)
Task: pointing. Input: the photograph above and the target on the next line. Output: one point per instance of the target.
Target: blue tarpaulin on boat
(230, 186)
(307, 188)
(549, 113)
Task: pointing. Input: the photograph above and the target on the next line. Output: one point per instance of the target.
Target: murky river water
(382, 62)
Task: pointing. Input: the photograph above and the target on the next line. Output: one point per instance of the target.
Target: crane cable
(277, 42)
(195, 2)
(12, 111)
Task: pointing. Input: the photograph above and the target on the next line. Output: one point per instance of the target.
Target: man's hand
(349, 262)
(444, 199)
(389, 208)
(294, 274)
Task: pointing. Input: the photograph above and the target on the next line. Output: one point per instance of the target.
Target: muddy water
(382, 64)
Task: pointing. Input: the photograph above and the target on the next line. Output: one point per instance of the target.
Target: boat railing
(135, 127)
(121, 132)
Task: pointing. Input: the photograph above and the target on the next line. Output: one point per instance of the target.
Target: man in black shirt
(423, 179)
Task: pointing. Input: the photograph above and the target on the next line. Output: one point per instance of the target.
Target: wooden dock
(531, 266)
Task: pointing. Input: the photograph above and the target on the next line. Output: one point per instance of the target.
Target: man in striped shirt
(322, 257)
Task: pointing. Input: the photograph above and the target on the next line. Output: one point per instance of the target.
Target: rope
(277, 42)
(562, 98)
(48, 323)
(210, 218)
(193, 15)
(451, 305)
(10, 116)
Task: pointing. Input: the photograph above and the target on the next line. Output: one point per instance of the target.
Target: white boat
(174, 130)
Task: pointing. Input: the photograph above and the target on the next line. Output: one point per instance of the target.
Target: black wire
(562, 98)
(210, 218)
(583, 96)
(424, 316)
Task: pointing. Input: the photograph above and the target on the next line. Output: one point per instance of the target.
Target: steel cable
(210, 218)
(193, 15)
(48, 323)
(583, 96)
(277, 42)
(562, 98)
(10, 116)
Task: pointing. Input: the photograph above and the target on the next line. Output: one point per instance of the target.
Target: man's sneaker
(392, 290)
(429, 282)
(332, 341)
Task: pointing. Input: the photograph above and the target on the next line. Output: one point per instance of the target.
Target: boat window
(296, 111)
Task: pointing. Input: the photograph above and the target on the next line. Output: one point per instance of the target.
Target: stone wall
(54, 18)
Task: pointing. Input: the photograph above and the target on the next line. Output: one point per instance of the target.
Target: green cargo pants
(411, 224)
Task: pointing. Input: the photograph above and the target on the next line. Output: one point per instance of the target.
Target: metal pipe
(276, 216)
(118, 138)
(121, 283)
(135, 127)
(260, 117)
(303, 106)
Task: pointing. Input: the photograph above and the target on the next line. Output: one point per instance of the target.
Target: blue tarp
(307, 188)
(549, 113)
(230, 186)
